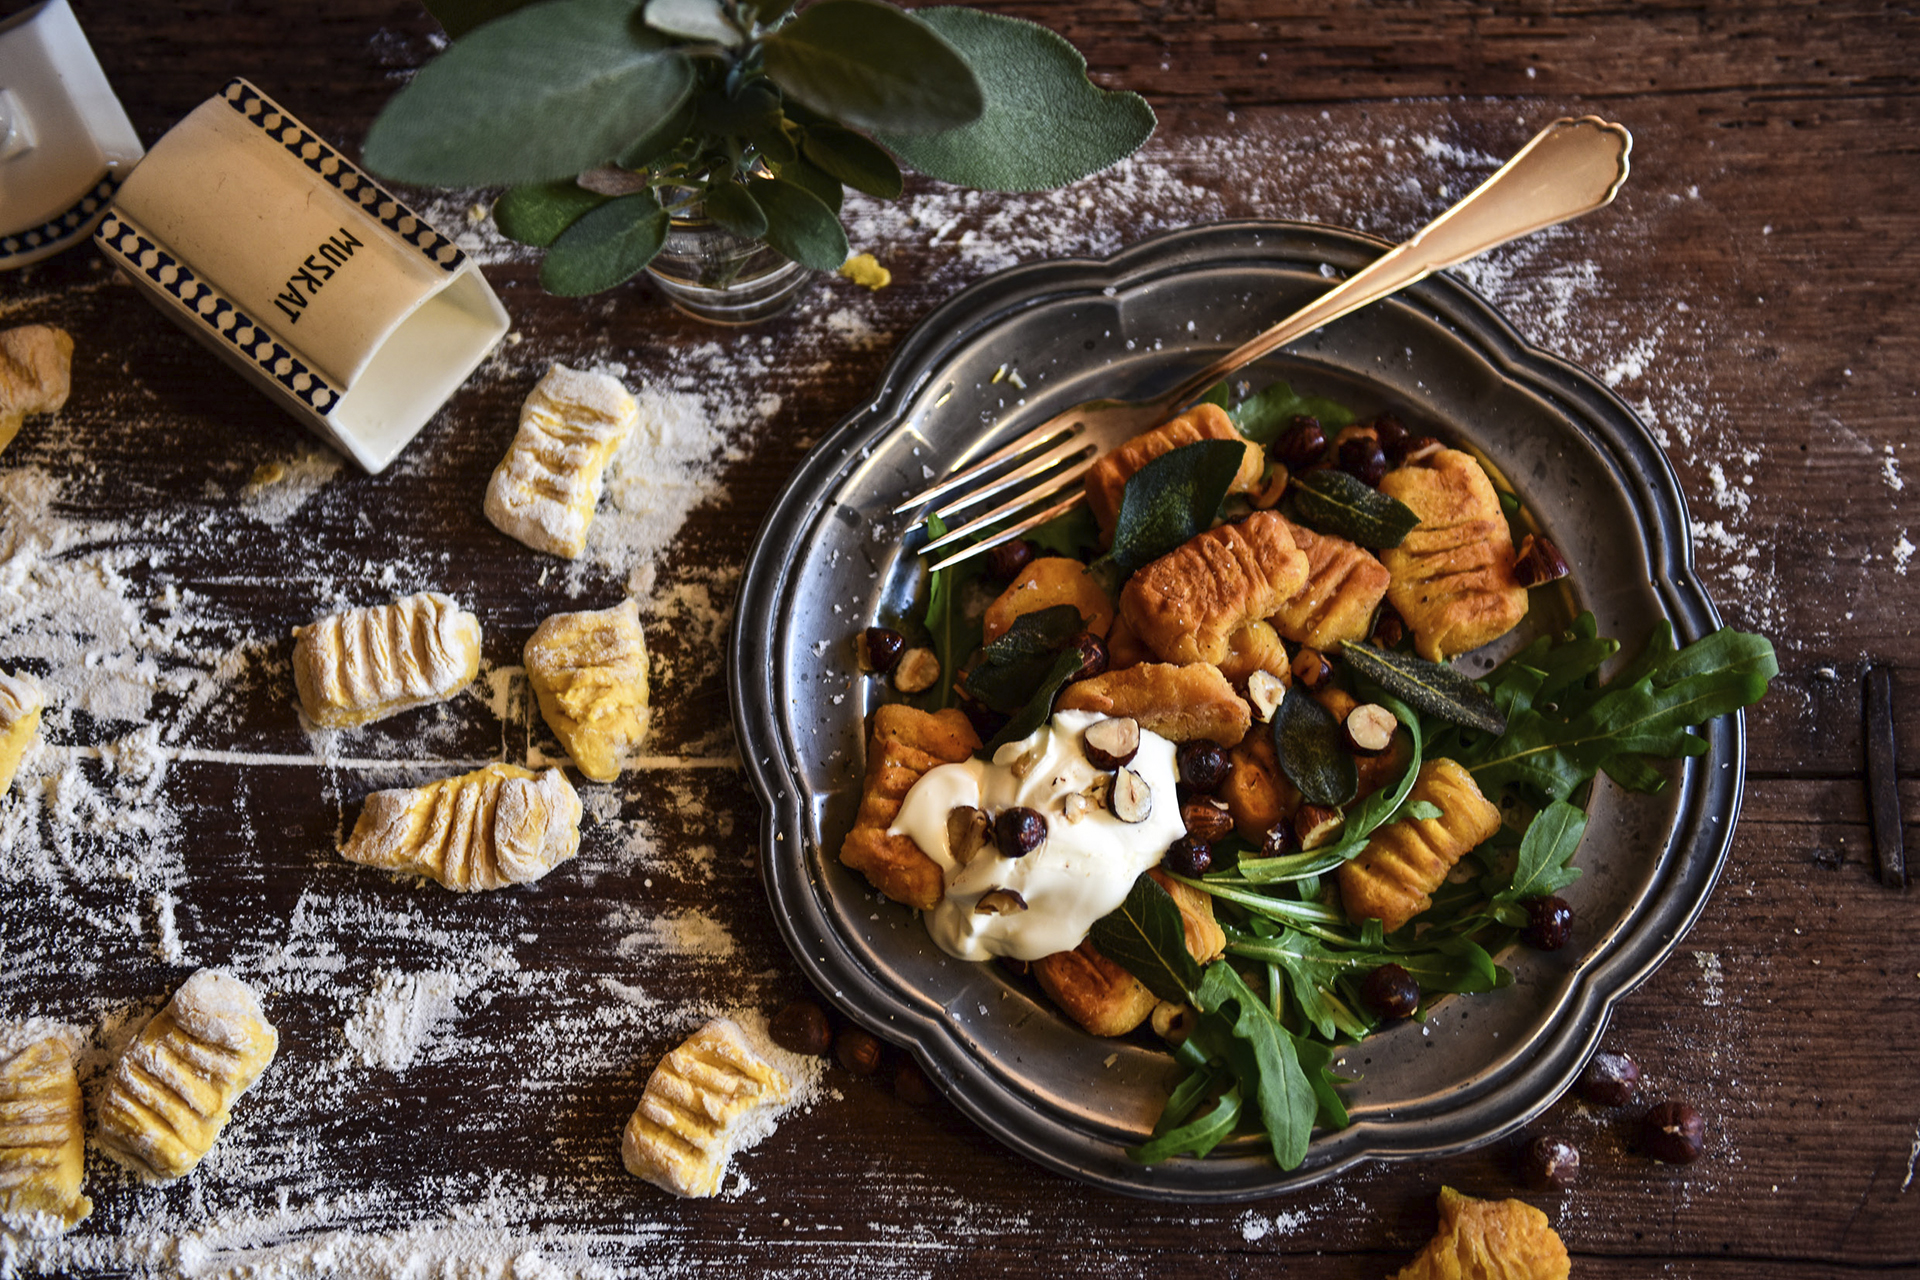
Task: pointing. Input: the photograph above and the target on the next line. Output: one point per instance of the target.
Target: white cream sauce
(1081, 872)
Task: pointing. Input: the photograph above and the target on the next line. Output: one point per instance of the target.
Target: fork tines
(1050, 473)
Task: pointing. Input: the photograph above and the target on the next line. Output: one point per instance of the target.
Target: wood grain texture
(1750, 294)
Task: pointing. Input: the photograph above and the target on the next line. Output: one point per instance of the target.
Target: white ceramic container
(300, 271)
(65, 140)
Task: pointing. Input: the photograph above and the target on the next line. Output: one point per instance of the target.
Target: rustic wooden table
(454, 1071)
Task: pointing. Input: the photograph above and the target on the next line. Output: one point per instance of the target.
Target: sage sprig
(608, 118)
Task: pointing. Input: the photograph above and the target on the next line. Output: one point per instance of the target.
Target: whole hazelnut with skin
(1549, 923)
(1549, 1164)
(858, 1051)
(1019, 831)
(801, 1027)
(910, 1084)
(1206, 819)
(1673, 1133)
(1610, 1080)
(1009, 558)
(1189, 857)
(1362, 458)
(1391, 992)
(880, 648)
(1302, 444)
(1093, 656)
(1202, 765)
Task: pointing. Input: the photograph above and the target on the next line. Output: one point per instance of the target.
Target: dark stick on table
(1883, 782)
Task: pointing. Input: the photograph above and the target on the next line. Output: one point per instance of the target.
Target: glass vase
(714, 275)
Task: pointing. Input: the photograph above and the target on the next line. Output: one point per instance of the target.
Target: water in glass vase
(716, 276)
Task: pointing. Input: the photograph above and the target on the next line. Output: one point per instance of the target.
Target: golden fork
(1571, 167)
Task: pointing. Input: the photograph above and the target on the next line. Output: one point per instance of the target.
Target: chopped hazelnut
(917, 670)
(969, 830)
(1265, 691)
(1311, 668)
(1316, 824)
(1538, 562)
(999, 902)
(1130, 798)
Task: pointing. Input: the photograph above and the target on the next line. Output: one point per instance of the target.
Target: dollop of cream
(1080, 873)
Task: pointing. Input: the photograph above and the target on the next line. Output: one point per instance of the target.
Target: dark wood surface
(1751, 292)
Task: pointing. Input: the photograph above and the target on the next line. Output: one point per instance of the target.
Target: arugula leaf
(951, 632)
(1649, 709)
(1307, 739)
(1074, 534)
(1219, 394)
(1347, 507)
(1551, 839)
(1171, 499)
(1265, 416)
(1284, 1095)
(1195, 1139)
(1433, 687)
(1145, 936)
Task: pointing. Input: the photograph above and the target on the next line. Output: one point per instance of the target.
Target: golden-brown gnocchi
(544, 491)
(1048, 581)
(589, 671)
(356, 667)
(496, 826)
(1452, 577)
(172, 1090)
(906, 742)
(1188, 604)
(1405, 861)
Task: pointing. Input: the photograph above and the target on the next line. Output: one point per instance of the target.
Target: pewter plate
(830, 560)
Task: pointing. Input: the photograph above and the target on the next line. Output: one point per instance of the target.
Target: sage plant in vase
(710, 141)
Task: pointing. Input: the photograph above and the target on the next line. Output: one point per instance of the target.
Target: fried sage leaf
(1172, 498)
(1307, 739)
(1346, 507)
(1144, 936)
(1432, 687)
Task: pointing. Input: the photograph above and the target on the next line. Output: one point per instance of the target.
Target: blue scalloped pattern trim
(69, 226)
(212, 308)
(265, 114)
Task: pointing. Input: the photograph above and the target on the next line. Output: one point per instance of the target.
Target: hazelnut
(1391, 992)
(879, 648)
(1111, 743)
(1280, 840)
(999, 902)
(910, 1084)
(858, 1051)
(968, 832)
(1610, 1079)
(1189, 856)
(1130, 798)
(1009, 558)
(1391, 433)
(1173, 1022)
(1265, 692)
(916, 671)
(1018, 831)
(1302, 444)
(1206, 819)
(1389, 629)
(1362, 458)
(1316, 824)
(1311, 668)
(801, 1027)
(1673, 1133)
(1549, 923)
(1368, 729)
(1549, 1164)
(1076, 805)
(1538, 562)
(1419, 450)
(1203, 765)
(1093, 656)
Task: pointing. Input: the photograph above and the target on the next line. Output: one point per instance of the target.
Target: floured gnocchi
(36, 375)
(544, 491)
(694, 1108)
(21, 703)
(42, 1129)
(589, 671)
(356, 667)
(171, 1091)
(496, 826)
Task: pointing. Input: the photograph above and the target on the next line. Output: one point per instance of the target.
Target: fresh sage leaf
(694, 20)
(868, 65)
(544, 93)
(1039, 707)
(756, 106)
(1550, 842)
(1347, 507)
(816, 181)
(536, 215)
(1171, 499)
(607, 246)
(461, 16)
(1307, 738)
(1432, 687)
(731, 206)
(1286, 1098)
(1264, 417)
(1044, 123)
(660, 139)
(1144, 935)
(854, 160)
(799, 224)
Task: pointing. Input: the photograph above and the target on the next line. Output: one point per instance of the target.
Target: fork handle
(1571, 167)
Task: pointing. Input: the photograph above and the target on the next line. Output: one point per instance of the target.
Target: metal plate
(830, 560)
